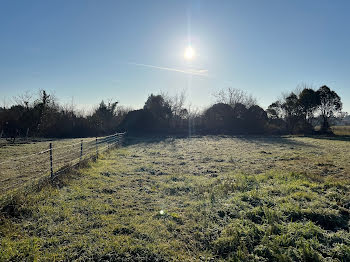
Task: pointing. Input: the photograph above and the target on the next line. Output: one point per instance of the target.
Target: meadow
(210, 198)
(27, 162)
(20, 164)
(341, 130)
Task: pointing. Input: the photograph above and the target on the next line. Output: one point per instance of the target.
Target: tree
(330, 105)
(292, 110)
(138, 122)
(24, 100)
(292, 106)
(104, 116)
(179, 113)
(44, 107)
(176, 103)
(309, 101)
(159, 108)
(256, 119)
(44, 117)
(240, 111)
(275, 111)
(219, 118)
(233, 96)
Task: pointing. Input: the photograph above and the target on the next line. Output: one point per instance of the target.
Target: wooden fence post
(51, 165)
(96, 149)
(81, 150)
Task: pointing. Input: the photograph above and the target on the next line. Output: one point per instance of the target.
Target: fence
(54, 160)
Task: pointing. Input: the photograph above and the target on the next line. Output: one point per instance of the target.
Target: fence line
(54, 160)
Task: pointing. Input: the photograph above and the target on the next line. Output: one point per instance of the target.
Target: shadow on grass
(332, 138)
(149, 139)
(275, 140)
(272, 140)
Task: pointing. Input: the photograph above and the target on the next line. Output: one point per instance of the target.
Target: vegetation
(44, 117)
(329, 104)
(299, 110)
(28, 162)
(15, 173)
(341, 130)
(211, 198)
(234, 112)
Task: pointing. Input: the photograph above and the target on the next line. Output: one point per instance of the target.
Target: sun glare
(189, 53)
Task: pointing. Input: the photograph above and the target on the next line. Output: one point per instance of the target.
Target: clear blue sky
(88, 50)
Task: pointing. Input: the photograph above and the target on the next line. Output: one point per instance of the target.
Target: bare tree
(233, 96)
(4, 102)
(24, 100)
(176, 103)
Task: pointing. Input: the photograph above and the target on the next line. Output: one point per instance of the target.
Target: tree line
(301, 112)
(45, 117)
(234, 112)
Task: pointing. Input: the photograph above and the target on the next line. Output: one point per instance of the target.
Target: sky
(86, 51)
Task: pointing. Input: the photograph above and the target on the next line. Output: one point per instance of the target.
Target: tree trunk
(325, 125)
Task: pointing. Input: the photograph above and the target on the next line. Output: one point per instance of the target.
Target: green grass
(222, 199)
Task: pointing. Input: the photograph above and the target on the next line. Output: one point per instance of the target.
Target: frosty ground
(205, 198)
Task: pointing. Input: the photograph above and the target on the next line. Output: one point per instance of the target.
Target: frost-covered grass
(20, 163)
(199, 199)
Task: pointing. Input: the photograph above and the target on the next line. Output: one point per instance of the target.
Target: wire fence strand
(20, 170)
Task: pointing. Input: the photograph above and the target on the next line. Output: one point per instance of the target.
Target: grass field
(22, 164)
(200, 199)
(27, 166)
(341, 130)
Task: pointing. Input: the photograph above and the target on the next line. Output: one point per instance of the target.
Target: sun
(189, 53)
